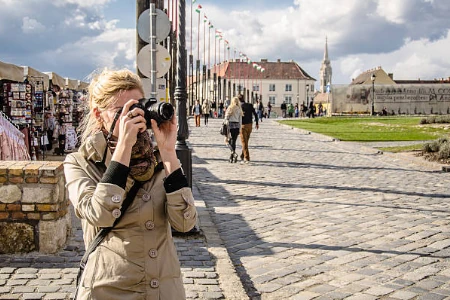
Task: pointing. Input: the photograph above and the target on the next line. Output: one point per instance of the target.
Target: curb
(229, 280)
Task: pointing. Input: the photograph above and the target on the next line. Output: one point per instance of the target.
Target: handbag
(224, 128)
(104, 232)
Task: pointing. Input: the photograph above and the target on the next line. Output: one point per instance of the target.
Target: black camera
(154, 109)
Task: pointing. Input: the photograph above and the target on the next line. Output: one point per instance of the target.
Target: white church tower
(325, 70)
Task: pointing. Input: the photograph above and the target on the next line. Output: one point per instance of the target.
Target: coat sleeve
(181, 209)
(98, 203)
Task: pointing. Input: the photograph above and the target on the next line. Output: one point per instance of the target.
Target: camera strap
(110, 133)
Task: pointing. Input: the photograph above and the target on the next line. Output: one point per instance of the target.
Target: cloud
(406, 37)
(44, 26)
(30, 26)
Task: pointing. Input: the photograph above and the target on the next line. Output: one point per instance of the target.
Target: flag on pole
(193, 1)
(210, 25)
(198, 9)
(205, 18)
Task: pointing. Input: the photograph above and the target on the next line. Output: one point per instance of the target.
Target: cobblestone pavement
(52, 277)
(308, 218)
(313, 218)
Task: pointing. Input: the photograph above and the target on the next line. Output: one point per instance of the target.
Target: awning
(72, 84)
(56, 79)
(11, 72)
(83, 85)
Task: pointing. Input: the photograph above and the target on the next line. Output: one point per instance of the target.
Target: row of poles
(217, 88)
(206, 80)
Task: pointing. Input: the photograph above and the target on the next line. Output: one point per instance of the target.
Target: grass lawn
(372, 129)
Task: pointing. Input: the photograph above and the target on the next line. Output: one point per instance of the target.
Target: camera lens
(165, 111)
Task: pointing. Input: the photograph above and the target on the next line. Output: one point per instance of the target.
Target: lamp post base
(184, 154)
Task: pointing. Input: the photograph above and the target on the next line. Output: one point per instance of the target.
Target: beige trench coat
(137, 259)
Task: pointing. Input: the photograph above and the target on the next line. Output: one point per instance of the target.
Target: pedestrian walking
(233, 117)
(197, 112)
(221, 109)
(311, 110)
(137, 259)
(290, 110)
(283, 109)
(206, 110)
(260, 110)
(269, 109)
(246, 127)
(49, 128)
(303, 110)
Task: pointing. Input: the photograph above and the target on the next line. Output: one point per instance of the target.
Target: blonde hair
(104, 91)
(234, 105)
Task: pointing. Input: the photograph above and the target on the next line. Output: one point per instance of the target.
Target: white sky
(73, 38)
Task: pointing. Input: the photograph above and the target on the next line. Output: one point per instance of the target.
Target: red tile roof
(273, 70)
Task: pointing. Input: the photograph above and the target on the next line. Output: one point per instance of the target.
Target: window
(256, 87)
(288, 99)
(272, 100)
(271, 87)
(288, 88)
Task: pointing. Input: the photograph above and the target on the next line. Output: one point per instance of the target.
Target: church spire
(325, 54)
(325, 69)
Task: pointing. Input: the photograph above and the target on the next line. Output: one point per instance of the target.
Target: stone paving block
(11, 297)
(7, 270)
(23, 276)
(55, 296)
(305, 296)
(403, 295)
(23, 289)
(379, 291)
(33, 296)
(207, 281)
(212, 295)
(48, 289)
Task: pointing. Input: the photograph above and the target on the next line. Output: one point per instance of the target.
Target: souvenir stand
(39, 83)
(58, 100)
(15, 103)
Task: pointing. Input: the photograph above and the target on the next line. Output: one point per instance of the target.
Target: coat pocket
(107, 268)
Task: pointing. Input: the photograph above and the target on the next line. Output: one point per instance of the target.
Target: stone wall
(409, 99)
(34, 208)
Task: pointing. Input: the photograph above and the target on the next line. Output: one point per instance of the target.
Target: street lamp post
(184, 153)
(307, 98)
(373, 94)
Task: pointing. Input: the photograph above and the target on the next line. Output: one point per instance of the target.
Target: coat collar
(94, 149)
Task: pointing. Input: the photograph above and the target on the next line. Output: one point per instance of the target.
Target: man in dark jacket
(283, 109)
(246, 128)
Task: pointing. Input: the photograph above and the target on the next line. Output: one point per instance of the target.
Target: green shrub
(432, 146)
(444, 151)
(435, 119)
(426, 148)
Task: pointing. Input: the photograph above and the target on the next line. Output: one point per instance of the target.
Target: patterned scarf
(143, 161)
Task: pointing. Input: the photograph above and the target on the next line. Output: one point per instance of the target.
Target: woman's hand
(166, 137)
(129, 125)
(165, 134)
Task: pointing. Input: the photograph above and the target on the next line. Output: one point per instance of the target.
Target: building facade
(274, 82)
(383, 92)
